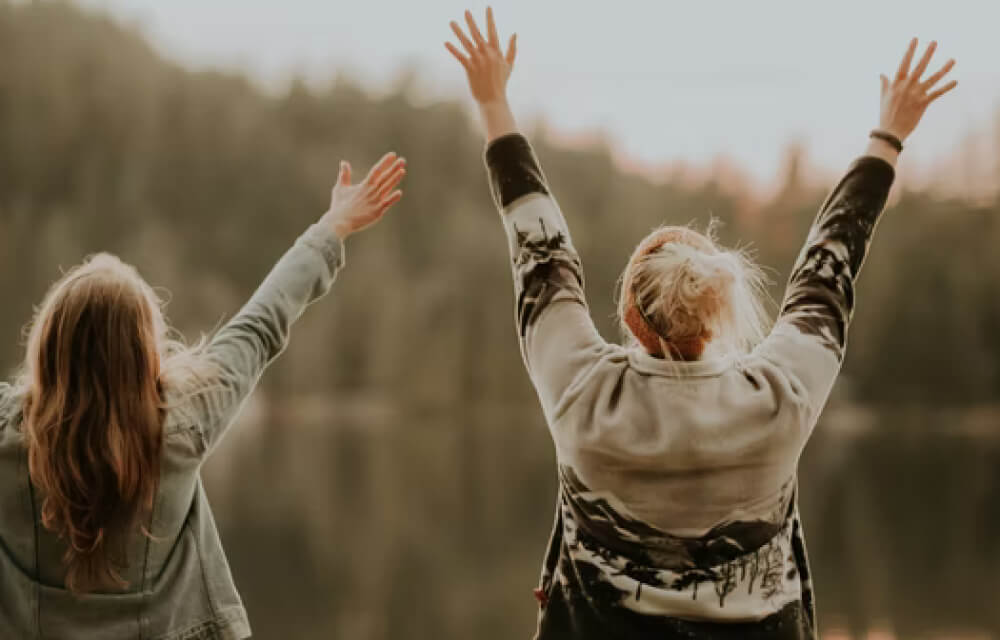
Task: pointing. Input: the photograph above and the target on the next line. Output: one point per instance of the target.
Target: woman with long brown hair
(105, 529)
(678, 452)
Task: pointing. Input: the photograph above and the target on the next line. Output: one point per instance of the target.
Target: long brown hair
(93, 414)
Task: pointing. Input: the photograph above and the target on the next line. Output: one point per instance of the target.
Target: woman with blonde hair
(677, 454)
(106, 531)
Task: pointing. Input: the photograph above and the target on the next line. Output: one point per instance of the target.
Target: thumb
(512, 50)
(885, 83)
(344, 177)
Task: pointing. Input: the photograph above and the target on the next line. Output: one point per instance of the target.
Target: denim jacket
(179, 583)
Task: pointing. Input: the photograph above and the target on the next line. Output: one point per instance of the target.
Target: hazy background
(393, 478)
(663, 82)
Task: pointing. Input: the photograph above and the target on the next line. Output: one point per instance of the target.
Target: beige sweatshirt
(677, 479)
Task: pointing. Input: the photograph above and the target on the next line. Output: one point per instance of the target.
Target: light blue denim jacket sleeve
(241, 350)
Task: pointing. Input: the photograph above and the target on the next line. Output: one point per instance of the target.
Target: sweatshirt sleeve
(559, 342)
(241, 350)
(810, 335)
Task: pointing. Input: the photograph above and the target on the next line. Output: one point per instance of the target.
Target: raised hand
(486, 66)
(356, 207)
(906, 97)
(487, 69)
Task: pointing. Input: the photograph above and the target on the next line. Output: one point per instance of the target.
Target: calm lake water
(358, 524)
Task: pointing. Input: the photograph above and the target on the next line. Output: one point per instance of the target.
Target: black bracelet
(893, 141)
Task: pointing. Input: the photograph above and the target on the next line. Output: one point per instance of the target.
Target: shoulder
(10, 406)
(596, 380)
(184, 423)
(807, 355)
(6, 400)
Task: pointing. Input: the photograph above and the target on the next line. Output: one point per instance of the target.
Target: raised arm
(242, 349)
(558, 339)
(810, 335)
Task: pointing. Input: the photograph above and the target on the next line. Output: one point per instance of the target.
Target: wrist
(341, 231)
(894, 131)
(880, 148)
(888, 137)
(340, 228)
(498, 119)
(494, 104)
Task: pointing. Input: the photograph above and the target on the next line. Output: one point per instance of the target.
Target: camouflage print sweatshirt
(676, 514)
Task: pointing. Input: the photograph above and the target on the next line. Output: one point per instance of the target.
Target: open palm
(906, 97)
(354, 207)
(486, 65)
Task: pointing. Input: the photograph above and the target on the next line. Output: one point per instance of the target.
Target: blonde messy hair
(683, 295)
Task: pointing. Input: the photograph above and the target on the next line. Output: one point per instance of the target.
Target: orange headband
(635, 318)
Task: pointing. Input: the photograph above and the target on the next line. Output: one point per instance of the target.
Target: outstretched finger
(943, 90)
(924, 61)
(458, 55)
(934, 79)
(491, 29)
(512, 50)
(391, 178)
(390, 200)
(389, 186)
(474, 30)
(380, 167)
(344, 177)
(471, 48)
(885, 83)
(391, 182)
(904, 66)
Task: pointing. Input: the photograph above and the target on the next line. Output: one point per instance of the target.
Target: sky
(664, 81)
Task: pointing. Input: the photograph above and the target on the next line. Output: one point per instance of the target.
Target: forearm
(544, 262)
(498, 119)
(260, 330)
(558, 338)
(810, 337)
(820, 297)
(242, 349)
